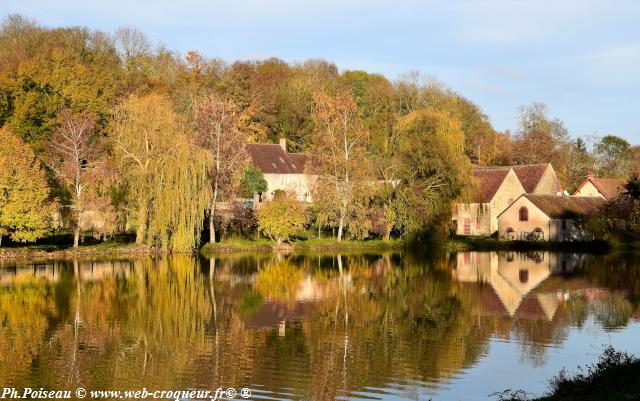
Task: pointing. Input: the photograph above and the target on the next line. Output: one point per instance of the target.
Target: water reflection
(306, 327)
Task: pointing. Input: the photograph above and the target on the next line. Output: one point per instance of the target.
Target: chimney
(283, 144)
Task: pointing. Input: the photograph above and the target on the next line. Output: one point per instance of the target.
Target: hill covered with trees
(149, 137)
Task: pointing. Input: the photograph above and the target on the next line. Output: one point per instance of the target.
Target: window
(523, 275)
(524, 214)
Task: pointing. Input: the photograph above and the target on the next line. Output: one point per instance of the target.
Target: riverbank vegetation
(124, 137)
(613, 377)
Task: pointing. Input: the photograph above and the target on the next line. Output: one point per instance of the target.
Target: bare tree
(339, 151)
(217, 131)
(131, 43)
(73, 156)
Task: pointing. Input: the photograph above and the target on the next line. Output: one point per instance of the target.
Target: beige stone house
(282, 170)
(546, 217)
(496, 188)
(606, 188)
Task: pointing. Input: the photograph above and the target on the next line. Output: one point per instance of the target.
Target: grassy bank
(311, 245)
(463, 244)
(57, 251)
(613, 377)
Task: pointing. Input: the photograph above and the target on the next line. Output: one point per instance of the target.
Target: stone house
(496, 187)
(282, 170)
(546, 217)
(606, 188)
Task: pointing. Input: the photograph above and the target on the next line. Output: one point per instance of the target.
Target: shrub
(281, 218)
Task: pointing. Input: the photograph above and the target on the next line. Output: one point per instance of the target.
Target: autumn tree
(339, 152)
(74, 156)
(612, 154)
(281, 218)
(217, 132)
(44, 71)
(25, 208)
(165, 173)
(432, 168)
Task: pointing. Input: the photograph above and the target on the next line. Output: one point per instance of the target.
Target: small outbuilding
(606, 188)
(547, 217)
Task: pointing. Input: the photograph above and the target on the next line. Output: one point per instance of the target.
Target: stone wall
(297, 185)
(548, 184)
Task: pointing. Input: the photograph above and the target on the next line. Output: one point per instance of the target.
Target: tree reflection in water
(311, 327)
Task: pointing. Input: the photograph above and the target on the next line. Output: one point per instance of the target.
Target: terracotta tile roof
(489, 180)
(565, 206)
(528, 174)
(272, 159)
(608, 187)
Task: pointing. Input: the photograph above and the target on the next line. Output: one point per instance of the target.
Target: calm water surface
(392, 326)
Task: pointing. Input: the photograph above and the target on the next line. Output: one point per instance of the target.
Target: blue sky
(580, 57)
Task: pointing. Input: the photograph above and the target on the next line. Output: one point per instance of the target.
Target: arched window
(524, 214)
(523, 275)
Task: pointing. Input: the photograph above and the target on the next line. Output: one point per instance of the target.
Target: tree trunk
(343, 213)
(387, 235)
(212, 226)
(0, 239)
(76, 236)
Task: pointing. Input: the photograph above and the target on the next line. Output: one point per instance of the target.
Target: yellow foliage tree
(165, 171)
(281, 218)
(25, 209)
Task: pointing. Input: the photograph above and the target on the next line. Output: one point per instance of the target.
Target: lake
(389, 326)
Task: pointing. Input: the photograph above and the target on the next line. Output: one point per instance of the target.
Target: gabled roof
(558, 207)
(489, 180)
(608, 187)
(528, 174)
(272, 159)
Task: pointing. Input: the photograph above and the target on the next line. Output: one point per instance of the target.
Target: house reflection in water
(512, 279)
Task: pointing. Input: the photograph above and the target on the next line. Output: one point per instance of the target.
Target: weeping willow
(165, 172)
(177, 205)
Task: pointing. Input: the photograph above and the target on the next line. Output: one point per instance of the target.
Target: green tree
(281, 218)
(25, 208)
(253, 182)
(432, 168)
(612, 153)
